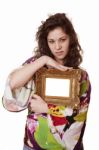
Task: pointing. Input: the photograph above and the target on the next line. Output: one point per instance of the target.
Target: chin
(61, 57)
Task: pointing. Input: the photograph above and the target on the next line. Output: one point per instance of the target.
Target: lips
(59, 53)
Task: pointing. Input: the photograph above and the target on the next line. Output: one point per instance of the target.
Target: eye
(62, 40)
(51, 41)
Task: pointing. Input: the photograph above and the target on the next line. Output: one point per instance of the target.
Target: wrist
(44, 59)
(40, 62)
(46, 110)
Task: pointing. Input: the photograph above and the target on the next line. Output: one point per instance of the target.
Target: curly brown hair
(74, 57)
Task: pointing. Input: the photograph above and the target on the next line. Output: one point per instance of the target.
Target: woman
(58, 47)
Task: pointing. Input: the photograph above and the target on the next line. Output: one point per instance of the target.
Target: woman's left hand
(37, 104)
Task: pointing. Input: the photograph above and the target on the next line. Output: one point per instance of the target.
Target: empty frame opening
(57, 87)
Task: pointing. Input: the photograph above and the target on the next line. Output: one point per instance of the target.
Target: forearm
(22, 75)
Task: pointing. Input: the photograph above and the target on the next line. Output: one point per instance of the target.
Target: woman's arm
(21, 76)
(37, 104)
(85, 94)
(15, 91)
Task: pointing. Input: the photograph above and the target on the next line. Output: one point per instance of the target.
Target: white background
(19, 20)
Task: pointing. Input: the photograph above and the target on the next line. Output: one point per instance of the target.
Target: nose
(58, 46)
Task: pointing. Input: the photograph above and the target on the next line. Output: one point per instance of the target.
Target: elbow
(12, 82)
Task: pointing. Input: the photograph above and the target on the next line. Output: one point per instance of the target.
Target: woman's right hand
(51, 63)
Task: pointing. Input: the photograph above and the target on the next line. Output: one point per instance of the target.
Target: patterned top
(60, 129)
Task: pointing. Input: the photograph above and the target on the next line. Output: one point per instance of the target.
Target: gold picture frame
(62, 79)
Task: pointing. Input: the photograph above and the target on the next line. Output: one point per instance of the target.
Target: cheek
(66, 46)
(51, 47)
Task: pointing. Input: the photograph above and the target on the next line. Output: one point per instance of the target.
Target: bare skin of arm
(23, 74)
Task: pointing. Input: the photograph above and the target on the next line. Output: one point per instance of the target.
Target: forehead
(56, 33)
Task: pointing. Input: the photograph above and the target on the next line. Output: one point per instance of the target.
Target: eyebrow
(64, 36)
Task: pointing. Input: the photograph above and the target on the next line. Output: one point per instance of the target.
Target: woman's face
(58, 42)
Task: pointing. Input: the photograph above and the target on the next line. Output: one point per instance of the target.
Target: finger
(35, 96)
(62, 68)
(31, 100)
(69, 68)
(65, 67)
(48, 66)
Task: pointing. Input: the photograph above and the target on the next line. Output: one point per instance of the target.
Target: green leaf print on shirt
(84, 87)
(44, 137)
(81, 117)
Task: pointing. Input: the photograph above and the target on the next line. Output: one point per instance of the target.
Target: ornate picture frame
(51, 83)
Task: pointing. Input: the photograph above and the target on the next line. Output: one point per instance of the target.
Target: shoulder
(85, 80)
(85, 84)
(84, 74)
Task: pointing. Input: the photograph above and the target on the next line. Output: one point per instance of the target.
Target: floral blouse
(62, 128)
